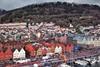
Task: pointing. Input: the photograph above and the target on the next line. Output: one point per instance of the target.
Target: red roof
(29, 48)
(8, 53)
(44, 51)
(69, 47)
(47, 44)
(2, 57)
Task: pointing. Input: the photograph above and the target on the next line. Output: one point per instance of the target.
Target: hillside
(2, 11)
(61, 13)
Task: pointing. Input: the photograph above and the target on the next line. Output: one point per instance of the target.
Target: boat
(81, 62)
(64, 65)
(94, 60)
(23, 61)
(98, 59)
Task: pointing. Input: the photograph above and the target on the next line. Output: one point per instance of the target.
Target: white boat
(91, 60)
(81, 62)
(64, 65)
(94, 60)
(49, 54)
(88, 59)
(98, 59)
(23, 61)
(35, 65)
(45, 57)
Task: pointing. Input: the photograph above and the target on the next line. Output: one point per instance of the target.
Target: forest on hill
(61, 13)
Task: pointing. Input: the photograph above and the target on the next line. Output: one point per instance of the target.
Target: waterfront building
(22, 54)
(16, 54)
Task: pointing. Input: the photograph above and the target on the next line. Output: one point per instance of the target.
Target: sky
(13, 4)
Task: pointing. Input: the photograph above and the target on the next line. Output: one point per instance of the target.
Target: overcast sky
(12, 4)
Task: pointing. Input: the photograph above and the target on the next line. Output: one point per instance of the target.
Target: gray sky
(12, 4)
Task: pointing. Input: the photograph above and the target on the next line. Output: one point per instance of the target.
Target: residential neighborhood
(23, 43)
(50, 34)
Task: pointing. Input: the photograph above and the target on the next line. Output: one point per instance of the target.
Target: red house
(8, 54)
(2, 57)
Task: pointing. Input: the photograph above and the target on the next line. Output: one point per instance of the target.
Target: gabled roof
(16, 51)
(2, 55)
(8, 51)
(22, 51)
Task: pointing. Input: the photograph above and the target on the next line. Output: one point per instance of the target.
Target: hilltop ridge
(61, 13)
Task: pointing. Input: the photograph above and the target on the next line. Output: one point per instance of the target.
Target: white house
(84, 28)
(90, 41)
(16, 54)
(22, 54)
(19, 54)
(58, 49)
(71, 26)
(14, 25)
